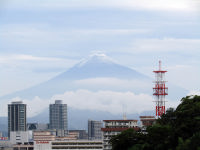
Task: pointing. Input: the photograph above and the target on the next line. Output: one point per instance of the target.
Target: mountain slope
(97, 66)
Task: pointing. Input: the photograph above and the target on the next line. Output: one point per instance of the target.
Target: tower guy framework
(160, 91)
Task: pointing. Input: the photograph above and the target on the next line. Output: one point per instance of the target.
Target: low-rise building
(81, 134)
(69, 145)
(25, 146)
(20, 137)
(37, 126)
(146, 121)
(115, 127)
(5, 145)
(51, 135)
(43, 136)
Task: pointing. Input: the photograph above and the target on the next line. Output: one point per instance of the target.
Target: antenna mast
(160, 91)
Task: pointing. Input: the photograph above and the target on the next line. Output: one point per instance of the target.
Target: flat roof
(118, 120)
(147, 117)
(119, 129)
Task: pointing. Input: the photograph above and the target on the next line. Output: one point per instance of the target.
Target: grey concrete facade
(58, 116)
(94, 130)
(16, 117)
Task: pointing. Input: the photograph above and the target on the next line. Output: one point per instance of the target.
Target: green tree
(190, 143)
(160, 137)
(187, 115)
(178, 129)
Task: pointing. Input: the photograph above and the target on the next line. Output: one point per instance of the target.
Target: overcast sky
(42, 38)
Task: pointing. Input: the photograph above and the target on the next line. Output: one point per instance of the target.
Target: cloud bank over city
(107, 101)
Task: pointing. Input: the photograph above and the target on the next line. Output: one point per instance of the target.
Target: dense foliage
(176, 130)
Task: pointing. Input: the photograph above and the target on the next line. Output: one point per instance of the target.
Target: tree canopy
(178, 129)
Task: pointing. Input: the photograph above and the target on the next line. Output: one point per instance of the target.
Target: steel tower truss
(160, 91)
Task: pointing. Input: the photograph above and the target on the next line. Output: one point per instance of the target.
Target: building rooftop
(58, 101)
(17, 102)
(147, 117)
(119, 120)
(120, 129)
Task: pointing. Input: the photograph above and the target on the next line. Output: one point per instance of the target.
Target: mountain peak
(96, 58)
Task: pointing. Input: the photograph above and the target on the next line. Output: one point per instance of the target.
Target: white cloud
(44, 34)
(22, 57)
(161, 5)
(21, 71)
(109, 101)
(29, 62)
(34, 106)
(29, 35)
(166, 45)
(185, 75)
(195, 92)
(109, 31)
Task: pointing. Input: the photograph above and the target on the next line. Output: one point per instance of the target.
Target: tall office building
(16, 117)
(58, 115)
(94, 130)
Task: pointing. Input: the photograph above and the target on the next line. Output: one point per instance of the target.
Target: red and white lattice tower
(160, 91)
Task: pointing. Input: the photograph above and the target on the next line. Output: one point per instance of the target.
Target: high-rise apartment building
(16, 117)
(94, 130)
(58, 115)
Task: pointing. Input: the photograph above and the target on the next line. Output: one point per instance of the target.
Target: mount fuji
(95, 88)
(97, 66)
